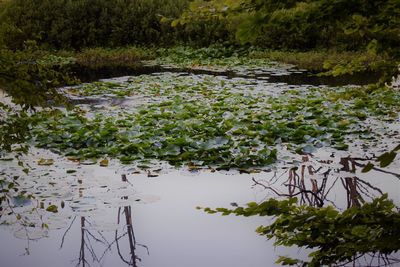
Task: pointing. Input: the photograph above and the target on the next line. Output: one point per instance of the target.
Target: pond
(122, 174)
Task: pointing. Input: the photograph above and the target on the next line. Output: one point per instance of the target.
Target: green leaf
(52, 208)
(386, 158)
(45, 162)
(287, 261)
(341, 146)
(216, 142)
(104, 163)
(175, 23)
(368, 167)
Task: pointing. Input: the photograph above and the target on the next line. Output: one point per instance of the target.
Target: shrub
(88, 23)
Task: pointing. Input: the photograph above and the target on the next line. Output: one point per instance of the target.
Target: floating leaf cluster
(217, 58)
(211, 121)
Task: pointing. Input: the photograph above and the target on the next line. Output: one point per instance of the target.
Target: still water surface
(103, 219)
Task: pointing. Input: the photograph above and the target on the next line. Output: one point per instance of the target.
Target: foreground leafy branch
(384, 160)
(336, 237)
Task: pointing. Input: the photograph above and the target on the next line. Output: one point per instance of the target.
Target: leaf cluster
(29, 78)
(211, 121)
(335, 237)
(354, 25)
(75, 24)
(31, 72)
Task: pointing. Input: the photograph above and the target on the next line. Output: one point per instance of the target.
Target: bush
(101, 57)
(65, 24)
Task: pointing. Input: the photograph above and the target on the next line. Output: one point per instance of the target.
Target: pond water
(144, 213)
(283, 73)
(163, 212)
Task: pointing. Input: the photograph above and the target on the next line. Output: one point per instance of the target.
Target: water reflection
(177, 209)
(127, 211)
(316, 183)
(88, 237)
(277, 74)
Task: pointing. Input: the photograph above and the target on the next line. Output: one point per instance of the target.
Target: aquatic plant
(211, 121)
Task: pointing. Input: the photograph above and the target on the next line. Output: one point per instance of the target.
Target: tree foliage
(354, 25)
(30, 78)
(294, 24)
(77, 23)
(335, 237)
(372, 26)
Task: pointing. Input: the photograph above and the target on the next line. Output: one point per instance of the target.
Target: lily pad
(104, 163)
(52, 208)
(88, 162)
(45, 162)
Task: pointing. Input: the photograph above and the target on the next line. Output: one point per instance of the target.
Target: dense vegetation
(213, 121)
(78, 24)
(290, 24)
(293, 24)
(370, 29)
(356, 25)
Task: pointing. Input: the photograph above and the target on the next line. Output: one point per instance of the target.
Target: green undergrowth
(333, 63)
(121, 57)
(14, 129)
(228, 58)
(213, 122)
(186, 56)
(323, 62)
(326, 63)
(88, 58)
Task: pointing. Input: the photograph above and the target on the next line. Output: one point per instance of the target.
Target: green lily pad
(52, 208)
(104, 163)
(45, 162)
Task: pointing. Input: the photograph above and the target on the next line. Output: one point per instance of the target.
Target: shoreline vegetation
(332, 38)
(316, 61)
(320, 62)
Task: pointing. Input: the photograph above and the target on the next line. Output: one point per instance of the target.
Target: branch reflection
(318, 182)
(314, 181)
(88, 238)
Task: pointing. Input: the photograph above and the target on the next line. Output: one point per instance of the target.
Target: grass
(106, 57)
(322, 61)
